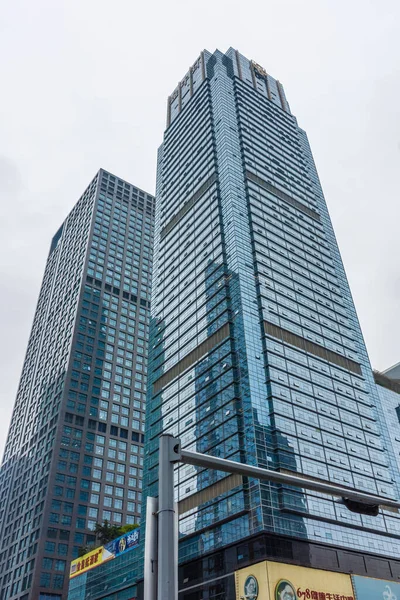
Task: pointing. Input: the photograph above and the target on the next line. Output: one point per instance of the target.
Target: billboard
(278, 581)
(89, 561)
(375, 589)
(92, 559)
(252, 582)
(126, 542)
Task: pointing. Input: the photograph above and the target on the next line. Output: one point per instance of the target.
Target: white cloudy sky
(84, 85)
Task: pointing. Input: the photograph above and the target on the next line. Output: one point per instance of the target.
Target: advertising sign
(252, 582)
(92, 559)
(279, 581)
(89, 561)
(367, 588)
(126, 542)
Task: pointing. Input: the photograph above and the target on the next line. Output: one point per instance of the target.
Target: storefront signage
(92, 559)
(126, 542)
(367, 588)
(89, 561)
(279, 581)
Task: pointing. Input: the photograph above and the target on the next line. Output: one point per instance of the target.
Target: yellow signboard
(88, 561)
(252, 583)
(278, 581)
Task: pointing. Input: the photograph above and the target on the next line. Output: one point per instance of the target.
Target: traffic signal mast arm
(230, 466)
(166, 545)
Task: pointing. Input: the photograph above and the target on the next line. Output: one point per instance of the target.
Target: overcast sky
(84, 85)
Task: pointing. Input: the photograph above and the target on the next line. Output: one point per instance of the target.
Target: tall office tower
(388, 386)
(256, 353)
(74, 449)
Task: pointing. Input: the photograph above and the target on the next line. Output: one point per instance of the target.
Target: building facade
(393, 372)
(255, 351)
(74, 451)
(388, 386)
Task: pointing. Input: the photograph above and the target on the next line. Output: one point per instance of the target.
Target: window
(54, 518)
(47, 563)
(62, 549)
(59, 565)
(66, 520)
(45, 579)
(51, 533)
(50, 547)
(58, 582)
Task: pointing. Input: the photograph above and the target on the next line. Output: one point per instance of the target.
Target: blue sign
(366, 588)
(126, 542)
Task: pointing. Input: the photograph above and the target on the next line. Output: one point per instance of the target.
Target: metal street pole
(167, 588)
(150, 549)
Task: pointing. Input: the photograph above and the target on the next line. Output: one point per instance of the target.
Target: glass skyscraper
(74, 451)
(255, 351)
(389, 395)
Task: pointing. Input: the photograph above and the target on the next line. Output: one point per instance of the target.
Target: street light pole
(167, 588)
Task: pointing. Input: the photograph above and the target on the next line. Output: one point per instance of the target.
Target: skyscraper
(388, 386)
(256, 353)
(74, 450)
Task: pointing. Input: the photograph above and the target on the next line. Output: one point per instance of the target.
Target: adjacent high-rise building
(389, 394)
(255, 351)
(74, 451)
